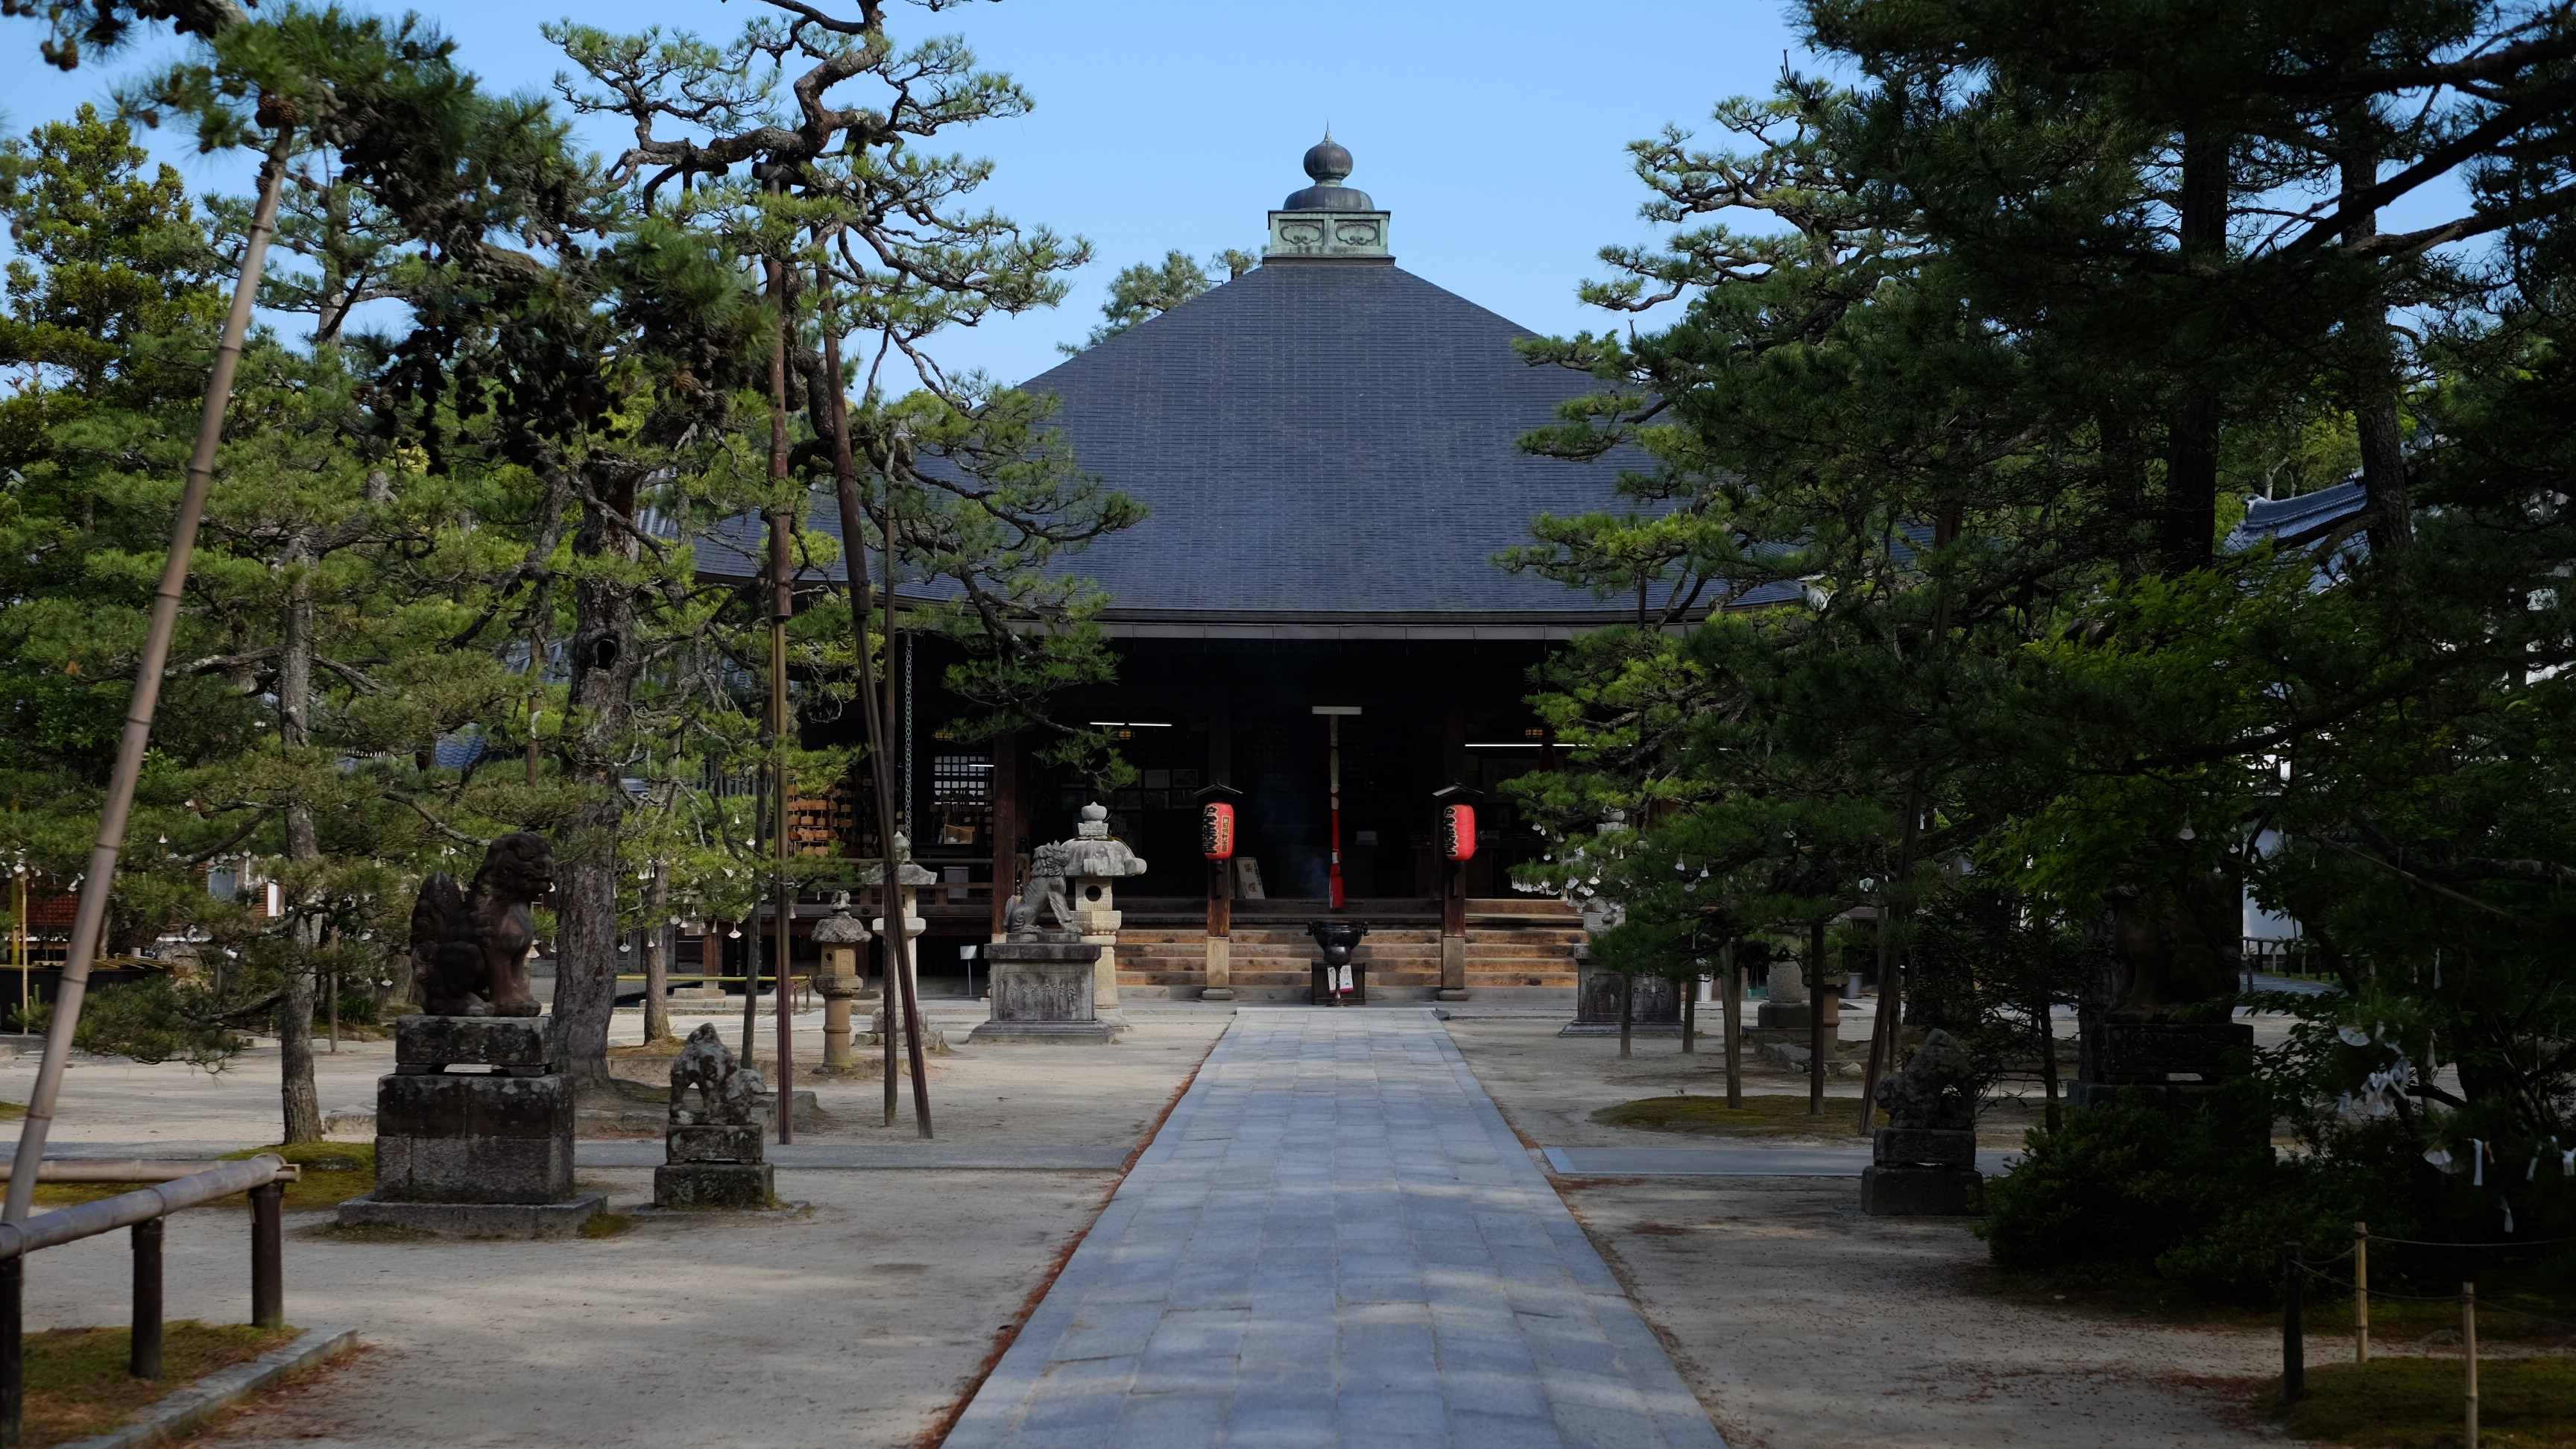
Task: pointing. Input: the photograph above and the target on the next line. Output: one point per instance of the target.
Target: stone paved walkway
(1335, 1239)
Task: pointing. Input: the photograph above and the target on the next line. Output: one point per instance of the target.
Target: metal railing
(189, 1185)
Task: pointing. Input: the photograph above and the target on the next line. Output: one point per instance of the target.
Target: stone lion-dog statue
(728, 1092)
(470, 945)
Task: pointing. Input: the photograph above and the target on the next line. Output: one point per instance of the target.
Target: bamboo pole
(2361, 1292)
(90, 924)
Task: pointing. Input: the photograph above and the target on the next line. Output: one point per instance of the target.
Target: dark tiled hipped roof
(1324, 447)
(1324, 439)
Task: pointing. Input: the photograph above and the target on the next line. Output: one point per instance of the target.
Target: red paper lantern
(1216, 830)
(1458, 831)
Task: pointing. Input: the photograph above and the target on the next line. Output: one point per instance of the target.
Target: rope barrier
(2557, 1323)
(2380, 1293)
(2376, 1240)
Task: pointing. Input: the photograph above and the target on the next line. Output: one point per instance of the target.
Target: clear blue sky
(1493, 132)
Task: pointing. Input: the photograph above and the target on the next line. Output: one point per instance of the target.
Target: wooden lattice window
(961, 799)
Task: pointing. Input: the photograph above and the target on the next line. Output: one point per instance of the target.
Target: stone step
(1510, 945)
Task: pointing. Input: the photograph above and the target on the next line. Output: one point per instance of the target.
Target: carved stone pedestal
(474, 1151)
(1922, 1172)
(1043, 991)
(1657, 1011)
(719, 1167)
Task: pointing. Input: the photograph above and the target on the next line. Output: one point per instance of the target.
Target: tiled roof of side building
(1319, 438)
(2291, 521)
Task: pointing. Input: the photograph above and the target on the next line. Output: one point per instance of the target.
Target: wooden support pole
(2361, 1292)
(267, 1256)
(2469, 1344)
(877, 713)
(782, 604)
(144, 1360)
(1333, 795)
(2294, 1340)
(13, 1361)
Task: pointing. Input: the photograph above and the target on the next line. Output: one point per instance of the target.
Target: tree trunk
(2375, 382)
(2190, 515)
(1690, 1015)
(1731, 1017)
(2047, 1051)
(599, 701)
(299, 1096)
(1627, 1009)
(1816, 1040)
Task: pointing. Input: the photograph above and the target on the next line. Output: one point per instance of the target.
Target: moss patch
(1760, 1116)
(334, 1172)
(608, 1225)
(77, 1385)
(366, 1233)
(2416, 1403)
(12, 1111)
(665, 1047)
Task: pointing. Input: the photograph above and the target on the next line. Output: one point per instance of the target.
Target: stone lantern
(909, 879)
(840, 935)
(1094, 861)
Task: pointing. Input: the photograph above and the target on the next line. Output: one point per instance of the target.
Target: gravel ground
(1802, 1324)
(860, 1322)
(1798, 1322)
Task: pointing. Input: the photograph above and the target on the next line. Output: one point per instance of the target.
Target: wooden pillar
(1006, 828)
(1453, 893)
(1220, 880)
(1220, 873)
(1220, 932)
(1220, 748)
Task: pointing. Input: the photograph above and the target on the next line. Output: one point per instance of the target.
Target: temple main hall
(1327, 447)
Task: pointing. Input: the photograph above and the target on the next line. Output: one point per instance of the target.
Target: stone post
(1095, 860)
(839, 983)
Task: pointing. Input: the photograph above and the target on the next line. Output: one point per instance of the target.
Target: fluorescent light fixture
(1507, 744)
(1337, 709)
(1131, 724)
